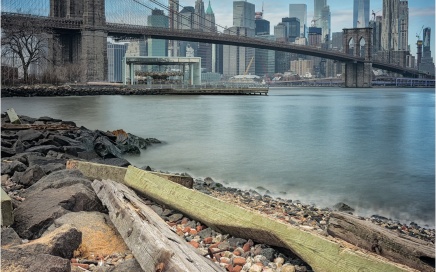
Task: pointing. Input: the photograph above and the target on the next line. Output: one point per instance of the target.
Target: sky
(421, 13)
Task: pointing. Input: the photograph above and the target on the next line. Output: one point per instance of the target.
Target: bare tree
(29, 43)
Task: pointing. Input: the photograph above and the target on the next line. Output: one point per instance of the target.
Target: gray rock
(48, 164)
(23, 157)
(157, 209)
(6, 143)
(30, 176)
(9, 168)
(7, 152)
(269, 253)
(342, 207)
(52, 197)
(208, 232)
(19, 146)
(44, 149)
(74, 150)
(120, 162)
(236, 242)
(106, 149)
(175, 217)
(9, 237)
(65, 141)
(20, 261)
(29, 135)
(126, 266)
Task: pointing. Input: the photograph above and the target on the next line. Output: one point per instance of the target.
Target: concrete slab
(7, 217)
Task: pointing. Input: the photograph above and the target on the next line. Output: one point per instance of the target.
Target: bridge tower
(358, 42)
(87, 47)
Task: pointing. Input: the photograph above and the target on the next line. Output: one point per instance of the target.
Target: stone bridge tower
(87, 47)
(358, 42)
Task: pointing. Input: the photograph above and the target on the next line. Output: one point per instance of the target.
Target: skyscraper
(157, 47)
(243, 14)
(426, 64)
(361, 13)
(299, 11)
(115, 55)
(317, 14)
(262, 25)
(199, 15)
(403, 21)
(389, 38)
(326, 24)
(292, 28)
(174, 20)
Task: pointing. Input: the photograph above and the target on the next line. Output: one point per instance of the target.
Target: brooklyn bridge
(85, 25)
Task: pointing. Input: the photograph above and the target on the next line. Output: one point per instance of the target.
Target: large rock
(50, 198)
(65, 141)
(10, 167)
(23, 157)
(48, 164)
(21, 261)
(98, 233)
(30, 176)
(105, 148)
(44, 149)
(9, 237)
(120, 162)
(126, 266)
(29, 135)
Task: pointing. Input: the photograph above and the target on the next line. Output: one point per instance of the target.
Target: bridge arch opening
(350, 47)
(361, 48)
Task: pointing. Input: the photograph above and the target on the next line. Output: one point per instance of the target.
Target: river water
(373, 149)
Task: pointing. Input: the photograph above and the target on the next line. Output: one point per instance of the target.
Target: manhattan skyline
(421, 13)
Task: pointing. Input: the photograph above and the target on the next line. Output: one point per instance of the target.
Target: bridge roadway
(124, 31)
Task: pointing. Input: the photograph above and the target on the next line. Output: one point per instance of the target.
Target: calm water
(373, 149)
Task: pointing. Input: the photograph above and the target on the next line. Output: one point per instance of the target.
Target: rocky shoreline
(61, 225)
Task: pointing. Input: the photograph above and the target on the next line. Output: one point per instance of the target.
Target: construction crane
(417, 34)
(315, 20)
(248, 67)
(374, 13)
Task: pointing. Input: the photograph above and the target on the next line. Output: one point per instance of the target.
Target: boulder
(30, 176)
(106, 149)
(23, 157)
(9, 237)
(126, 266)
(7, 152)
(16, 260)
(29, 135)
(53, 196)
(98, 233)
(342, 207)
(48, 164)
(19, 146)
(44, 149)
(10, 167)
(65, 141)
(120, 162)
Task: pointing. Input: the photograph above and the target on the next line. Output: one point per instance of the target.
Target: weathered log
(399, 248)
(148, 236)
(319, 252)
(103, 171)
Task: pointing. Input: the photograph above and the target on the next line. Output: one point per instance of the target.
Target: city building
(299, 11)
(262, 25)
(376, 34)
(403, 21)
(326, 24)
(244, 14)
(360, 13)
(157, 47)
(389, 37)
(237, 59)
(292, 28)
(115, 55)
(174, 21)
(302, 67)
(280, 32)
(210, 19)
(137, 49)
(199, 15)
(427, 64)
(187, 17)
(337, 41)
(265, 59)
(315, 36)
(317, 14)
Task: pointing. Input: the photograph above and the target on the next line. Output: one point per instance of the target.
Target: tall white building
(361, 13)
(115, 55)
(244, 14)
(236, 59)
(299, 11)
(390, 27)
(199, 15)
(403, 24)
(317, 14)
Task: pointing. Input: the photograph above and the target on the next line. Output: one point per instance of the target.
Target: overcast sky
(421, 13)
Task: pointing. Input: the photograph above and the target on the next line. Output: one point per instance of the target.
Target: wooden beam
(399, 248)
(147, 235)
(319, 252)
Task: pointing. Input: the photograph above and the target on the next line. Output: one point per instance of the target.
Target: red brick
(239, 261)
(193, 232)
(85, 266)
(236, 253)
(186, 229)
(199, 228)
(207, 240)
(246, 247)
(194, 244)
(237, 268)
(74, 260)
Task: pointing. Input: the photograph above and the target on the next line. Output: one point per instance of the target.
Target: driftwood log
(149, 238)
(399, 248)
(319, 252)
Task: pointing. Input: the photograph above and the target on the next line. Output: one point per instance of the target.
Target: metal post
(132, 76)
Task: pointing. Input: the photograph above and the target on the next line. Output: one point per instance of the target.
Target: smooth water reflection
(371, 148)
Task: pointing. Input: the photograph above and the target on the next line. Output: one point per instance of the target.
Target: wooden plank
(149, 238)
(319, 252)
(13, 117)
(104, 171)
(398, 248)
(7, 217)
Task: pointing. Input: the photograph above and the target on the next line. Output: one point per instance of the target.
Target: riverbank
(33, 159)
(88, 90)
